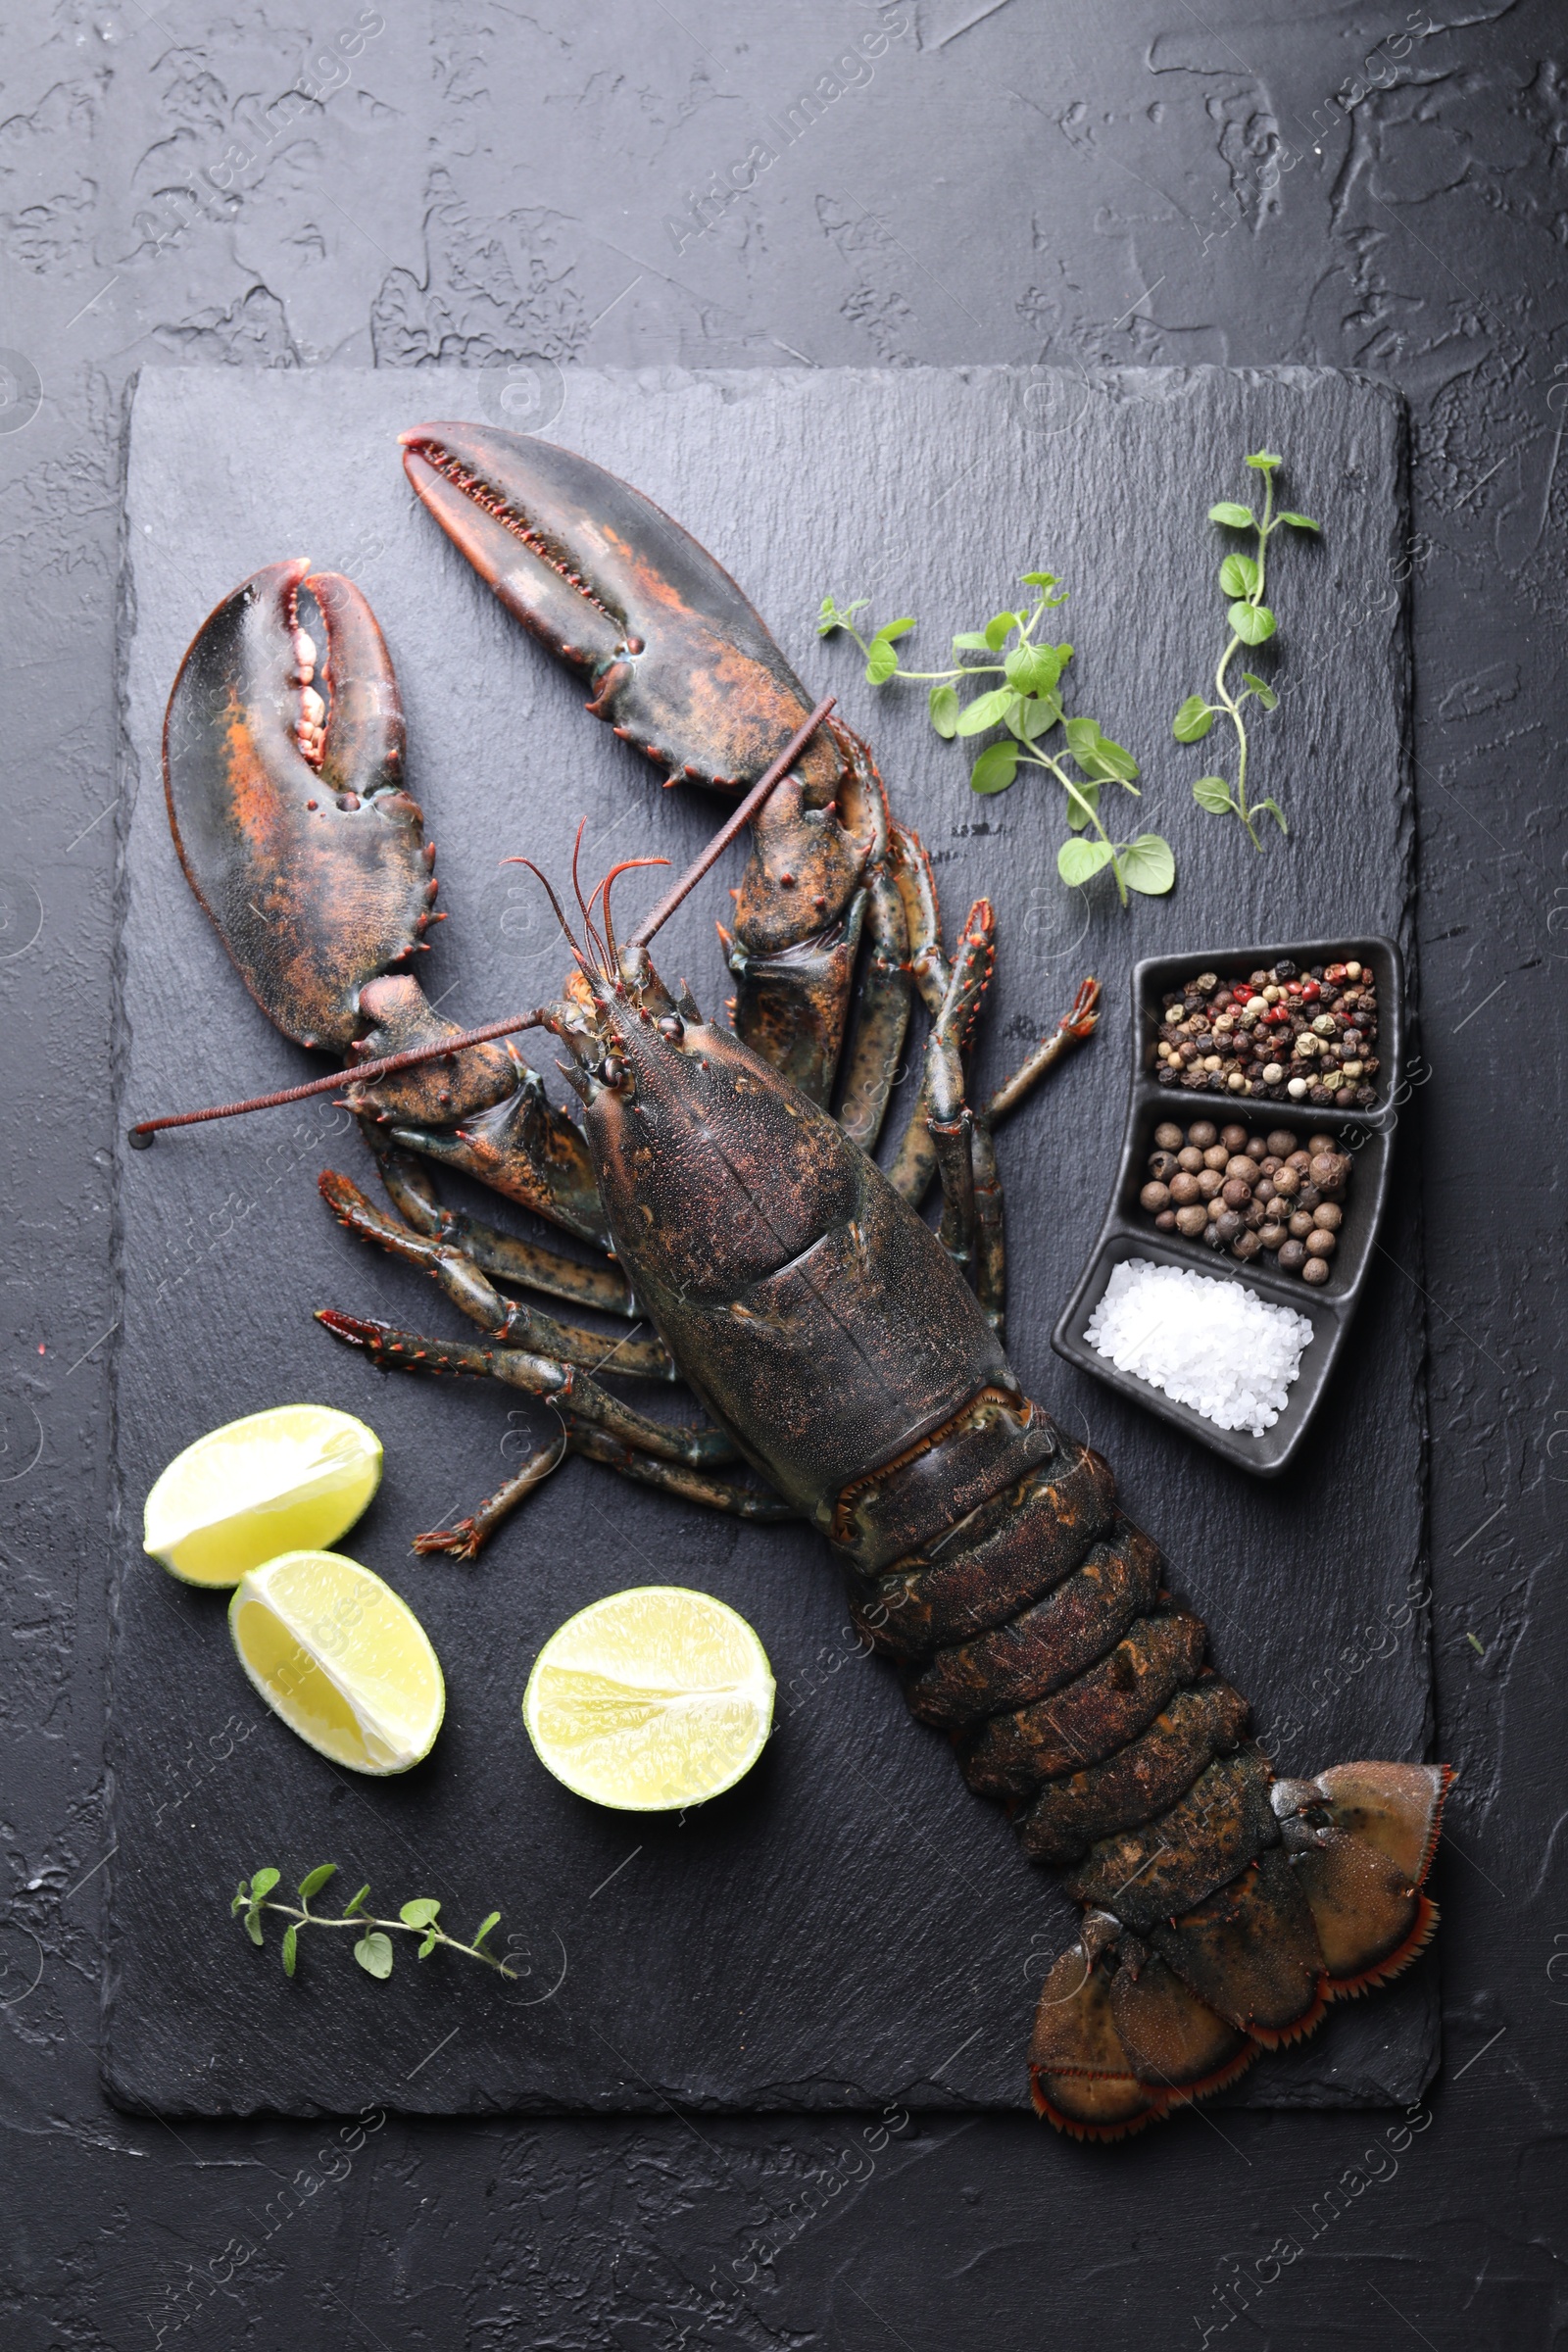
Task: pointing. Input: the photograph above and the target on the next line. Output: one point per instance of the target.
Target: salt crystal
(1214, 1346)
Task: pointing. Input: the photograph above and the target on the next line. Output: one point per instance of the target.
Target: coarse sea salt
(1216, 1346)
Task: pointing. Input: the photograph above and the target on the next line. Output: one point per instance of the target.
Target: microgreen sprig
(374, 1950)
(1242, 581)
(1029, 705)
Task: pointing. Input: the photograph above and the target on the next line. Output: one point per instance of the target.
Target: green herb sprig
(1029, 705)
(374, 1950)
(1242, 581)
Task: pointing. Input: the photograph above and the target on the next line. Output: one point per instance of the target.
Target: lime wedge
(291, 1479)
(650, 1699)
(342, 1660)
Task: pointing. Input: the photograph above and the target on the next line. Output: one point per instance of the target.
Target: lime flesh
(341, 1659)
(650, 1699)
(291, 1479)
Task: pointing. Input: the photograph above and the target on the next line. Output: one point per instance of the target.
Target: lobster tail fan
(1120, 2041)
(1081, 2078)
(1372, 1829)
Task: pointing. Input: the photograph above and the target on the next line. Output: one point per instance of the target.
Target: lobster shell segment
(681, 665)
(291, 822)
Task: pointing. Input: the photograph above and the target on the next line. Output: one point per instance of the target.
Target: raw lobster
(841, 1347)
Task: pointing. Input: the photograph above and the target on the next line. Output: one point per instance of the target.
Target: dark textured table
(511, 193)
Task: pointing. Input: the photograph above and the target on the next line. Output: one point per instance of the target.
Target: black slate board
(850, 1926)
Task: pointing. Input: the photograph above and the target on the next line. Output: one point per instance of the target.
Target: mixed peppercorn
(1282, 1034)
(1250, 1192)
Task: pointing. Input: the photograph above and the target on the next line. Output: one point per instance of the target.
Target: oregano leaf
(291, 1945)
(1254, 625)
(994, 768)
(986, 710)
(1078, 861)
(1300, 522)
(890, 630)
(316, 1879)
(351, 1908)
(1083, 804)
(1213, 793)
(1226, 511)
(374, 1952)
(1262, 689)
(999, 627)
(1275, 812)
(263, 1883)
(419, 1912)
(484, 1928)
(1238, 576)
(427, 1947)
(1263, 461)
(943, 706)
(881, 663)
(1147, 866)
(1193, 720)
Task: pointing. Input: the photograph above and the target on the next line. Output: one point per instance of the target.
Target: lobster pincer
(682, 667)
(283, 765)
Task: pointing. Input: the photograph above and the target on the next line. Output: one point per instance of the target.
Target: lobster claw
(283, 763)
(680, 663)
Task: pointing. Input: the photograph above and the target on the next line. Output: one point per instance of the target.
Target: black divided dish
(1130, 1232)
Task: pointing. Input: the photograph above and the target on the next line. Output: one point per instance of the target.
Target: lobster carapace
(849, 1356)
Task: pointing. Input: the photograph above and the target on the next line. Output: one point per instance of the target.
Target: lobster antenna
(142, 1134)
(587, 906)
(727, 833)
(624, 868)
(539, 875)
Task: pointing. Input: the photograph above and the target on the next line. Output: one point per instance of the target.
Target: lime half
(291, 1479)
(342, 1660)
(650, 1699)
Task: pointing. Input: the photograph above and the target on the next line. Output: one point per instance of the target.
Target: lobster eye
(673, 1027)
(612, 1071)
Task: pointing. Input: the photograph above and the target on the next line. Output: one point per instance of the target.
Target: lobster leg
(516, 1325)
(657, 1453)
(501, 1256)
(464, 1540)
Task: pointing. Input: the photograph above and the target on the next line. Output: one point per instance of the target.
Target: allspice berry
(1190, 1158)
(1234, 1138)
(1320, 1244)
(1162, 1165)
(1330, 1216)
(1273, 1237)
(1190, 1220)
(1245, 1245)
(1202, 1133)
(1281, 1141)
(1165, 1222)
(1168, 1136)
(1237, 1195)
(1183, 1188)
(1302, 1224)
(1154, 1196)
(1315, 1270)
(1292, 1256)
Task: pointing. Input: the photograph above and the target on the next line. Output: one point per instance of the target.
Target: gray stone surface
(850, 1927)
(1339, 184)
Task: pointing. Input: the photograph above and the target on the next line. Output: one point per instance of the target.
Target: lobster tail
(1223, 1909)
